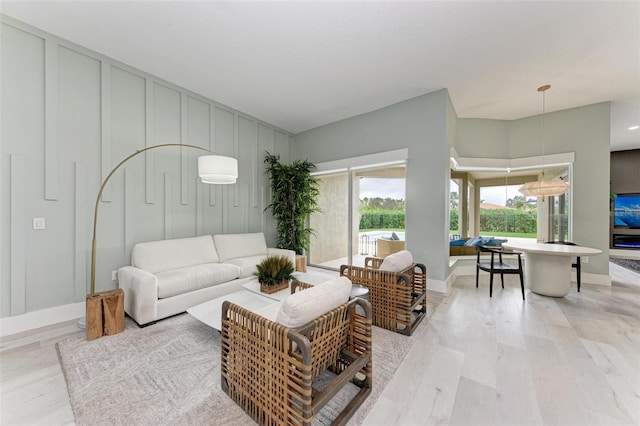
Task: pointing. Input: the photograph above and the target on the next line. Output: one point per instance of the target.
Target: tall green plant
(294, 195)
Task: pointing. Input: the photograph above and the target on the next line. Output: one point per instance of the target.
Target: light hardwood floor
(501, 361)
(479, 360)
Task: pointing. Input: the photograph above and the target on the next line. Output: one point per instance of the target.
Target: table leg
(548, 275)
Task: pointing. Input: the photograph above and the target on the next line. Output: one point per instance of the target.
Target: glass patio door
(358, 207)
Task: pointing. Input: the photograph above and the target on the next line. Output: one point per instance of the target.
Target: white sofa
(167, 277)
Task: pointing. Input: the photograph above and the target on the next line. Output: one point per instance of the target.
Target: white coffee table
(250, 297)
(210, 312)
(253, 286)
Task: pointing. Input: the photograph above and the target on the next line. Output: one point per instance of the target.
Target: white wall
(427, 126)
(584, 131)
(68, 116)
(420, 125)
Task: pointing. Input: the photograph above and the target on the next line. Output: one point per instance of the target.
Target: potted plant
(294, 194)
(274, 273)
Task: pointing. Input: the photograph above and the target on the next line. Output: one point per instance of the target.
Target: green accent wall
(69, 115)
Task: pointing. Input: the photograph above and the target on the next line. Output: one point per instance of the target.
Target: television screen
(626, 211)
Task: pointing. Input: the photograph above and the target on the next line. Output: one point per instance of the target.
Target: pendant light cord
(543, 89)
(544, 133)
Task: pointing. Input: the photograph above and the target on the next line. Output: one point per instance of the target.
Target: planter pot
(271, 288)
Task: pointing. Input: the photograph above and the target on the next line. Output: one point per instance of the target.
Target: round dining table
(547, 267)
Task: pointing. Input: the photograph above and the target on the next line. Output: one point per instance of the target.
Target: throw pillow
(397, 262)
(304, 306)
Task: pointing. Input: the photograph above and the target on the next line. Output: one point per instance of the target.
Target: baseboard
(439, 285)
(32, 320)
(597, 279)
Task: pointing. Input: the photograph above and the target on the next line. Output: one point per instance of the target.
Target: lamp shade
(544, 188)
(217, 169)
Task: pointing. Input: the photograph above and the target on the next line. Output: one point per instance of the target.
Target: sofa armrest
(140, 293)
(289, 254)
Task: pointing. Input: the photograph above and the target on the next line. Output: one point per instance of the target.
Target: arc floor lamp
(213, 169)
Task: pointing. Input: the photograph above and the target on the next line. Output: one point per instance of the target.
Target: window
(505, 212)
(456, 219)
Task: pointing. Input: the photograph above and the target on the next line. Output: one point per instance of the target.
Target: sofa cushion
(306, 305)
(397, 262)
(233, 246)
(165, 255)
(184, 280)
(247, 265)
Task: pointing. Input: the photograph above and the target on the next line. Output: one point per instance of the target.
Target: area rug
(169, 374)
(631, 264)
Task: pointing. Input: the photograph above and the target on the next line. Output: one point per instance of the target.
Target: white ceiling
(300, 65)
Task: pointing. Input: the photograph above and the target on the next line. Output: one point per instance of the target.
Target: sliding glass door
(358, 207)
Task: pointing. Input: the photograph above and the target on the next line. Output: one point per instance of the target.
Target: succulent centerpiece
(274, 273)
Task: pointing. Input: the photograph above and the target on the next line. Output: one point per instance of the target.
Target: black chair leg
(477, 273)
(522, 284)
(502, 279)
(490, 284)
(578, 267)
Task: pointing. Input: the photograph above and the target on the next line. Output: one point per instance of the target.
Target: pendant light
(541, 187)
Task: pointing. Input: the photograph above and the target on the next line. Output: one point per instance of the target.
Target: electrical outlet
(584, 259)
(114, 275)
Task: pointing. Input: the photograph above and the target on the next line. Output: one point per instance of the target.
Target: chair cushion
(306, 305)
(184, 280)
(397, 262)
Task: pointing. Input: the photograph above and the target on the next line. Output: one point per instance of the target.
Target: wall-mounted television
(626, 211)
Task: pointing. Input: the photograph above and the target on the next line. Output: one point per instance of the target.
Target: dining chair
(575, 264)
(498, 266)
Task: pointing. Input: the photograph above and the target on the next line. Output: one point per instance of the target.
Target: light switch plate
(38, 223)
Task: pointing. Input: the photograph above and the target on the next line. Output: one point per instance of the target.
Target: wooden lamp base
(105, 313)
(301, 263)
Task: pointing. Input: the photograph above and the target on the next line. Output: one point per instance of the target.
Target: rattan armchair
(268, 369)
(398, 299)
